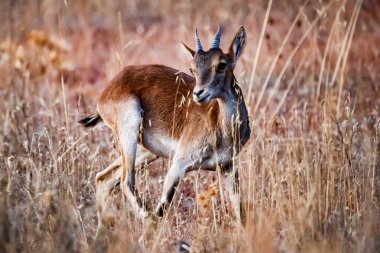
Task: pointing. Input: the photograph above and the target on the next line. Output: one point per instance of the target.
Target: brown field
(310, 174)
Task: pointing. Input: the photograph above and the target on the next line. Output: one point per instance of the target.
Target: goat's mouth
(203, 100)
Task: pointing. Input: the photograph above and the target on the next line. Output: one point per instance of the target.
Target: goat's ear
(188, 51)
(237, 45)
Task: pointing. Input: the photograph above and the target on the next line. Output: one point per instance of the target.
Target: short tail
(91, 120)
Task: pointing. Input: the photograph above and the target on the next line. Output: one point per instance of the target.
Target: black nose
(198, 93)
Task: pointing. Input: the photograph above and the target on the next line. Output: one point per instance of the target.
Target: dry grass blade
(275, 60)
(309, 175)
(258, 50)
(347, 45)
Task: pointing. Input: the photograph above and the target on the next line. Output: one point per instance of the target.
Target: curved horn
(198, 45)
(218, 34)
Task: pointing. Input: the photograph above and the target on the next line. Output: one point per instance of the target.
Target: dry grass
(310, 173)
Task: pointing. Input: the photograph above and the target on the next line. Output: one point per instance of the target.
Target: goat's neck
(232, 109)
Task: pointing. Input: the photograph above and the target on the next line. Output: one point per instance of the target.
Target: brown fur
(199, 122)
(165, 96)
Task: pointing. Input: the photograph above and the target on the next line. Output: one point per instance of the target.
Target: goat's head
(213, 69)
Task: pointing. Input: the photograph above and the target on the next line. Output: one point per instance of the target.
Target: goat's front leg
(175, 174)
(232, 185)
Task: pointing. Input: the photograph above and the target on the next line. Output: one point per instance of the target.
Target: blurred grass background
(310, 174)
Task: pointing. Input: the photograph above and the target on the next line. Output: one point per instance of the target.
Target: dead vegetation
(310, 173)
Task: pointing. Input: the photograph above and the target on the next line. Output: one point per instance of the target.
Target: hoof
(161, 210)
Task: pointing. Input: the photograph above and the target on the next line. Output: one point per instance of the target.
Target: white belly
(159, 144)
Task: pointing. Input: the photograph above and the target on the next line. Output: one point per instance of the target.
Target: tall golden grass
(310, 175)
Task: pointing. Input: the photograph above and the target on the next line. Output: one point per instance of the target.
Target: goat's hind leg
(110, 177)
(128, 129)
(106, 181)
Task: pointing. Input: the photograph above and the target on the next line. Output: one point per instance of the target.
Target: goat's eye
(192, 72)
(221, 66)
